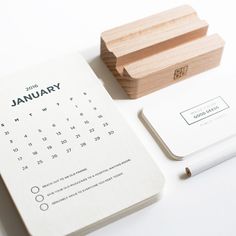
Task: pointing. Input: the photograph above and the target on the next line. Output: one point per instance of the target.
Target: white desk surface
(33, 31)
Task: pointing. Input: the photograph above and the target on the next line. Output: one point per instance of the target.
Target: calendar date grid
(82, 124)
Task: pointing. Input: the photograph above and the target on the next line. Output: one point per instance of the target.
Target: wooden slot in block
(142, 55)
(155, 72)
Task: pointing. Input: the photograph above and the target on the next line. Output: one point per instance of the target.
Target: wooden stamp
(160, 50)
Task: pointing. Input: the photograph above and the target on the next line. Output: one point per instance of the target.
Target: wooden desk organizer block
(160, 50)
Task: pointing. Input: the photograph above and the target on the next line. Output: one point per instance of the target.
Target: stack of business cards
(192, 116)
(69, 160)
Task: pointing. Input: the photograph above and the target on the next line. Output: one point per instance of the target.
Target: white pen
(217, 154)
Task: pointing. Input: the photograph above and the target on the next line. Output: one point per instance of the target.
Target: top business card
(188, 119)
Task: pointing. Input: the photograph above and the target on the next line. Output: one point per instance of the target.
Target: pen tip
(188, 172)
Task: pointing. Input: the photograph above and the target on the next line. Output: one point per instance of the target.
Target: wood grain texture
(159, 50)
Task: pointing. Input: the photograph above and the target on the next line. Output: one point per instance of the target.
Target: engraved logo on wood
(180, 72)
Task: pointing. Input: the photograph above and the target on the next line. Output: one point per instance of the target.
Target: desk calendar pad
(67, 156)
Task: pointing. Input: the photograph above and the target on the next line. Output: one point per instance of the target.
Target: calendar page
(67, 156)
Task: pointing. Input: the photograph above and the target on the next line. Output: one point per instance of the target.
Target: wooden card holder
(160, 50)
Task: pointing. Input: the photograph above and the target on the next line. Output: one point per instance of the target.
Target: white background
(33, 31)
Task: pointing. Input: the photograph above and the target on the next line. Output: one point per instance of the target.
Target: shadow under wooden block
(159, 50)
